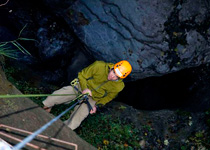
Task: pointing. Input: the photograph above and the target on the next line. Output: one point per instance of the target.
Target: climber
(101, 81)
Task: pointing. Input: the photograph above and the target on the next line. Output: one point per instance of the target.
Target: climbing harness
(74, 83)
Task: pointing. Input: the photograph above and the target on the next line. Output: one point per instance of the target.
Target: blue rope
(32, 136)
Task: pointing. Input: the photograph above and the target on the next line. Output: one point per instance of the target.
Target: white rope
(4, 145)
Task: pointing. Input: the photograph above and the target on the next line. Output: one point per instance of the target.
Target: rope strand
(4, 3)
(33, 95)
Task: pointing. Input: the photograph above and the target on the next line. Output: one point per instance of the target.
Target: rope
(4, 3)
(32, 136)
(33, 95)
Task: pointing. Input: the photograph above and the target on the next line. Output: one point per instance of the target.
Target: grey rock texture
(157, 37)
(173, 126)
(54, 40)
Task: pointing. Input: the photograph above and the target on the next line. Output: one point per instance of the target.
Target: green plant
(147, 127)
(183, 148)
(106, 132)
(201, 139)
(10, 48)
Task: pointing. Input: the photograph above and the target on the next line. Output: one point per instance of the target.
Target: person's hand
(87, 91)
(93, 110)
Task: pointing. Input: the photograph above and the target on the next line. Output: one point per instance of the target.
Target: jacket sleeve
(111, 94)
(87, 73)
(106, 99)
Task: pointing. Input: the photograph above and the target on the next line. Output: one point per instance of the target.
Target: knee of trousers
(77, 116)
(53, 100)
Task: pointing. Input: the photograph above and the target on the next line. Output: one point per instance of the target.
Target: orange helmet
(122, 69)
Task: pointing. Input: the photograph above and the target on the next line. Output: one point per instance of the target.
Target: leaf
(22, 30)
(166, 142)
(183, 147)
(190, 123)
(175, 33)
(26, 39)
(106, 142)
(199, 134)
(176, 49)
(122, 107)
(1, 45)
(20, 47)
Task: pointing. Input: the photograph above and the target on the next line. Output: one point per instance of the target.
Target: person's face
(112, 76)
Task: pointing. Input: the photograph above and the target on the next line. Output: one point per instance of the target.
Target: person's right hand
(93, 110)
(87, 91)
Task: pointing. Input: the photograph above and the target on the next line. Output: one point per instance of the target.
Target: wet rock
(115, 30)
(188, 11)
(53, 40)
(163, 129)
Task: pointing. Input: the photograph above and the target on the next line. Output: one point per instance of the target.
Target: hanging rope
(33, 95)
(4, 3)
(32, 136)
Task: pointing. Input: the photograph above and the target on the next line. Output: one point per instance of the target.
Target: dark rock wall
(157, 37)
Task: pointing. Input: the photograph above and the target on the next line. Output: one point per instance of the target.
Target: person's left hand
(93, 110)
(85, 91)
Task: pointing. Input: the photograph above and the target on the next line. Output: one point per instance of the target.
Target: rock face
(157, 37)
(22, 113)
(157, 127)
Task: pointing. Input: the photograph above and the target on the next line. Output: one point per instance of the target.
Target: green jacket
(95, 78)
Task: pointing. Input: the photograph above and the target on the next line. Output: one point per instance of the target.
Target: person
(102, 81)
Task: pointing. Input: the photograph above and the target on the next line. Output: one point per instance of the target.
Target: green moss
(10, 104)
